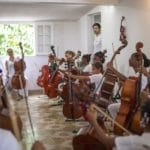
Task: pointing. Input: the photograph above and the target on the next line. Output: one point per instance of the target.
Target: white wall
(137, 25)
(66, 36)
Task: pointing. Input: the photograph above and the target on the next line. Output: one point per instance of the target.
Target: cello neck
(21, 48)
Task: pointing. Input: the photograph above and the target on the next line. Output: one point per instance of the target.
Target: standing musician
(97, 70)
(9, 64)
(131, 142)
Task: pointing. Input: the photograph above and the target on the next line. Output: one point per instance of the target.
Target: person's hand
(38, 146)
(92, 114)
(109, 65)
(69, 74)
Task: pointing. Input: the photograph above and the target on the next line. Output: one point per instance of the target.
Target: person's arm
(7, 71)
(92, 117)
(78, 77)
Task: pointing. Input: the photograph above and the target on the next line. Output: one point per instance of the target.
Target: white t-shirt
(97, 43)
(8, 141)
(96, 78)
(144, 79)
(97, 46)
(133, 142)
(88, 68)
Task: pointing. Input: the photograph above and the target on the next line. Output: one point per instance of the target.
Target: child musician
(97, 70)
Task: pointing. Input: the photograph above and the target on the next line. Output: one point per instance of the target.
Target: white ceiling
(58, 10)
(65, 1)
(36, 12)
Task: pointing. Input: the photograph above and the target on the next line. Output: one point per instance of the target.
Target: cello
(45, 72)
(71, 107)
(129, 112)
(19, 67)
(54, 78)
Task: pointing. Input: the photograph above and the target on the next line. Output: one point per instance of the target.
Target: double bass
(18, 80)
(111, 75)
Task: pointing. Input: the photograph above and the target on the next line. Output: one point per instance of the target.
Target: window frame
(44, 43)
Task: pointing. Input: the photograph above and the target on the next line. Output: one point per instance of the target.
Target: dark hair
(87, 57)
(98, 65)
(101, 56)
(146, 60)
(97, 24)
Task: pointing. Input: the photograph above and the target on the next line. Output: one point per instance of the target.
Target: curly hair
(101, 56)
(87, 57)
(98, 65)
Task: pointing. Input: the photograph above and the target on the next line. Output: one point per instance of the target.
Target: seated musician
(69, 55)
(114, 108)
(9, 65)
(131, 142)
(87, 67)
(97, 70)
(8, 141)
(99, 57)
(63, 66)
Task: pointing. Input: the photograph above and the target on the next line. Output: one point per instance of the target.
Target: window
(43, 37)
(12, 34)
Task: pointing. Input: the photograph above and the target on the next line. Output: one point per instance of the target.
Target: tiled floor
(49, 124)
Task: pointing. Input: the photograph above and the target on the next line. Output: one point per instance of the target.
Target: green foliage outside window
(12, 34)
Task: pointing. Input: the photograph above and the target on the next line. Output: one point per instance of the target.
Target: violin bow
(28, 108)
(112, 120)
(9, 104)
